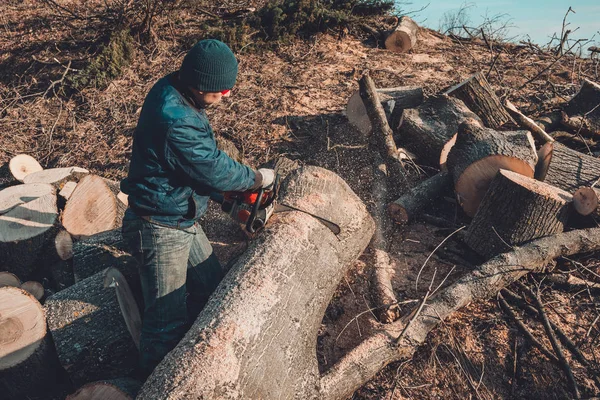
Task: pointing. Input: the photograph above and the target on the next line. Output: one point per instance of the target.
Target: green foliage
(108, 64)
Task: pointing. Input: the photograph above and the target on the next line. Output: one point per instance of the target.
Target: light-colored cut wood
(63, 242)
(22, 165)
(404, 37)
(20, 194)
(56, 176)
(35, 288)
(67, 190)
(585, 200)
(114, 389)
(9, 279)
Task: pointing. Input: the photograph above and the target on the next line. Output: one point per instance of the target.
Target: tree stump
(479, 97)
(25, 230)
(582, 113)
(392, 100)
(56, 176)
(113, 389)
(515, 210)
(91, 209)
(479, 153)
(256, 337)
(404, 37)
(427, 129)
(566, 168)
(95, 325)
(9, 279)
(28, 364)
(22, 165)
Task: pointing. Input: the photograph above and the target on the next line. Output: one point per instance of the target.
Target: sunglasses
(224, 92)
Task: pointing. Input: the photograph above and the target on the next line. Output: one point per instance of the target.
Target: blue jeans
(178, 273)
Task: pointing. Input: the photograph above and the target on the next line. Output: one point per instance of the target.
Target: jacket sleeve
(191, 151)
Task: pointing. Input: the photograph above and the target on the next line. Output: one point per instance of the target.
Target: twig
(61, 80)
(418, 311)
(431, 254)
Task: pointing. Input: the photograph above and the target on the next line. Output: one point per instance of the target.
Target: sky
(537, 18)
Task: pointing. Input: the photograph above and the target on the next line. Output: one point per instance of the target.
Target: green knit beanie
(209, 66)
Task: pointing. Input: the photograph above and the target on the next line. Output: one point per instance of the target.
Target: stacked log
(9, 279)
(515, 210)
(582, 112)
(429, 130)
(28, 364)
(566, 168)
(56, 176)
(95, 325)
(479, 97)
(586, 201)
(403, 37)
(113, 389)
(479, 153)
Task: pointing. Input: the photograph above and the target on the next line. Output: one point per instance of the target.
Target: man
(175, 164)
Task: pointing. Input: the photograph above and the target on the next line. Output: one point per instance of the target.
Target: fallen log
(566, 168)
(582, 112)
(479, 97)
(527, 123)
(57, 177)
(9, 279)
(515, 210)
(585, 201)
(26, 229)
(113, 389)
(549, 122)
(403, 37)
(478, 155)
(91, 209)
(385, 346)
(572, 283)
(22, 165)
(95, 325)
(406, 208)
(256, 337)
(427, 129)
(28, 364)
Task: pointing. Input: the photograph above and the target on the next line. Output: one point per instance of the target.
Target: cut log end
(404, 37)
(115, 389)
(22, 165)
(544, 159)
(445, 150)
(9, 279)
(585, 200)
(63, 242)
(35, 288)
(398, 213)
(129, 309)
(22, 326)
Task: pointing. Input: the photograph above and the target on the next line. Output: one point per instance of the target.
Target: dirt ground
(290, 101)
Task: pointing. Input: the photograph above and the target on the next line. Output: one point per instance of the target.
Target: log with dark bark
(408, 206)
(384, 346)
(582, 113)
(403, 37)
(256, 337)
(479, 97)
(92, 208)
(566, 168)
(28, 364)
(26, 228)
(515, 210)
(113, 389)
(427, 129)
(56, 176)
(393, 101)
(95, 325)
(22, 165)
(479, 153)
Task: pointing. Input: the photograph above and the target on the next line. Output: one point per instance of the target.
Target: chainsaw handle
(250, 223)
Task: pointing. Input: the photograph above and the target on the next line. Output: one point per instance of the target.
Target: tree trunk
(479, 97)
(92, 208)
(28, 364)
(95, 325)
(57, 177)
(408, 207)
(392, 100)
(114, 389)
(426, 129)
(515, 210)
(256, 337)
(566, 168)
(22, 165)
(404, 37)
(26, 229)
(479, 153)
(583, 110)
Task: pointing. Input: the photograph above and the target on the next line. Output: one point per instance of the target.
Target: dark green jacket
(175, 162)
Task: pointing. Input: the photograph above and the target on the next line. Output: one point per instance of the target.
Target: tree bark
(479, 97)
(113, 389)
(404, 37)
(566, 168)
(515, 210)
(28, 364)
(383, 347)
(22, 165)
(479, 153)
(405, 209)
(91, 209)
(583, 110)
(393, 100)
(426, 129)
(95, 325)
(256, 337)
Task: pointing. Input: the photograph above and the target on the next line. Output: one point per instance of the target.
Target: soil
(290, 101)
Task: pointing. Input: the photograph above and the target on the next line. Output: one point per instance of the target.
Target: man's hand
(264, 178)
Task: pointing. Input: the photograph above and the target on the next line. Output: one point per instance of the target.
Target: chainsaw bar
(333, 227)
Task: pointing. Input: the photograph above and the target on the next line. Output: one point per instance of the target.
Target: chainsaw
(254, 208)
